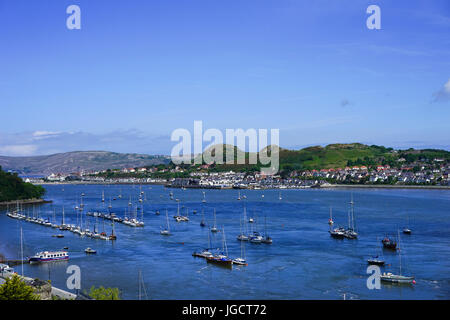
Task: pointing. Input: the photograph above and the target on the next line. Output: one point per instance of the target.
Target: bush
(16, 289)
(102, 293)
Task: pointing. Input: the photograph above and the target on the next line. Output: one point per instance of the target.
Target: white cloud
(18, 150)
(443, 94)
(45, 142)
(45, 134)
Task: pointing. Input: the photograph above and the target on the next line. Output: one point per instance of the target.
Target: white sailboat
(166, 231)
(241, 260)
(330, 221)
(214, 227)
(398, 278)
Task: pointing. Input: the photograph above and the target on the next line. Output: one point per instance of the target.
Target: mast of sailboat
(399, 252)
(167, 220)
(225, 242)
(245, 219)
(352, 212)
(21, 248)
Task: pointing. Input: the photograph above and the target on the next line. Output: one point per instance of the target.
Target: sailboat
(330, 221)
(103, 196)
(222, 257)
(350, 233)
(241, 260)
(166, 232)
(375, 260)
(279, 196)
(239, 196)
(205, 252)
(407, 230)
(63, 225)
(397, 278)
(267, 239)
(243, 226)
(202, 223)
(214, 227)
(204, 200)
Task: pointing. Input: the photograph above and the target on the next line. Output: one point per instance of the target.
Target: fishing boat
(166, 231)
(48, 256)
(398, 278)
(90, 251)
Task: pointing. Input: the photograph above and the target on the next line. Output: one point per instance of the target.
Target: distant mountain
(70, 162)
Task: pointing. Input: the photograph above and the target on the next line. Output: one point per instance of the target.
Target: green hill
(342, 155)
(14, 188)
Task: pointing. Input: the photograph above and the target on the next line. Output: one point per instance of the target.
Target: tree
(103, 293)
(16, 289)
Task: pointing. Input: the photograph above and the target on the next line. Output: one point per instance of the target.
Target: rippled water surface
(303, 262)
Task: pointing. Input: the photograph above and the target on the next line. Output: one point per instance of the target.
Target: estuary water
(303, 262)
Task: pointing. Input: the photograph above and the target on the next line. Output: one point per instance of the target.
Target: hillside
(342, 155)
(13, 188)
(76, 161)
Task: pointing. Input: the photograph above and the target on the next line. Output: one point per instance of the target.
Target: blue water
(303, 262)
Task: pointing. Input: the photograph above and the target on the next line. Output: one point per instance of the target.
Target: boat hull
(34, 260)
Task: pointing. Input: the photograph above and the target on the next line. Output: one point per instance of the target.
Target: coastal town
(420, 173)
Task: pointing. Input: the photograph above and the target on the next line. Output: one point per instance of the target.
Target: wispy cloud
(443, 94)
(18, 150)
(49, 142)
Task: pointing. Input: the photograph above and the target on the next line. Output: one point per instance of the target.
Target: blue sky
(137, 70)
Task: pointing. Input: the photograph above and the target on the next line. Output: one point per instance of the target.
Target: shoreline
(24, 202)
(385, 186)
(326, 186)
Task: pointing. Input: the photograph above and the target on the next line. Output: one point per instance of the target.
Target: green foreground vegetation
(12, 187)
(15, 288)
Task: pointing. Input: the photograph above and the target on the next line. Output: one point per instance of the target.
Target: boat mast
(399, 252)
(225, 242)
(21, 248)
